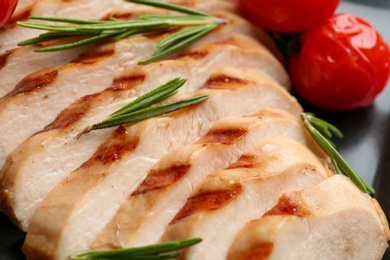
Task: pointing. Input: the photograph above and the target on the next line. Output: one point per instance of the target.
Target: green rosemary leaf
(130, 32)
(176, 37)
(337, 159)
(168, 6)
(336, 167)
(147, 113)
(126, 34)
(324, 127)
(162, 53)
(152, 97)
(75, 44)
(65, 20)
(152, 251)
(95, 27)
(54, 36)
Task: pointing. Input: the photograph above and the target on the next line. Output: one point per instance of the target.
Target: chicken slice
(39, 97)
(68, 220)
(144, 216)
(12, 34)
(333, 220)
(17, 63)
(228, 199)
(59, 153)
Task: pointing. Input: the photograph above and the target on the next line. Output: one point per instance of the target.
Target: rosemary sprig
(144, 107)
(159, 251)
(321, 130)
(196, 24)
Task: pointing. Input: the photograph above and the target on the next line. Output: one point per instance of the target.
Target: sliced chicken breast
(86, 9)
(12, 34)
(39, 97)
(59, 153)
(68, 220)
(144, 216)
(228, 199)
(333, 220)
(17, 63)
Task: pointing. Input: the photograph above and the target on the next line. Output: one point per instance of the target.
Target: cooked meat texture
(59, 153)
(68, 220)
(85, 9)
(332, 220)
(39, 97)
(22, 4)
(144, 216)
(17, 63)
(228, 199)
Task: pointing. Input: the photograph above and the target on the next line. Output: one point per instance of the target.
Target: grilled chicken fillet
(333, 220)
(226, 200)
(105, 181)
(238, 170)
(17, 63)
(142, 219)
(59, 152)
(39, 97)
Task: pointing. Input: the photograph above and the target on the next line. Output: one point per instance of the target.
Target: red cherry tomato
(7, 8)
(344, 64)
(288, 16)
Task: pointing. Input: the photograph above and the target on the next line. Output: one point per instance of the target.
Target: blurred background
(376, 3)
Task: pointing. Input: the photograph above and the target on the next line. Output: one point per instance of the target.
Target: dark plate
(367, 138)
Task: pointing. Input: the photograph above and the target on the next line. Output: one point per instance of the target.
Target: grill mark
(78, 109)
(159, 179)
(121, 16)
(207, 201)
(21, 16)
(94, 56)
(127, 82)
(4, 57)
(72, 114)
(186, 3)
(222, 81)
(259, 251)
(288, 206)
(245, 161)
(223, 136)
(196, 55)
(32, 82)
(121, 145)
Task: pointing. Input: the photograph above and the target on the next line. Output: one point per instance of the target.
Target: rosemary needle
(145, 106)
(316, 128)
(169, 6)
(159, 251)
(164, 91)
(196, 24)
